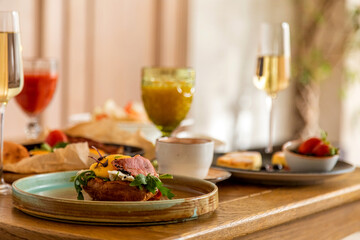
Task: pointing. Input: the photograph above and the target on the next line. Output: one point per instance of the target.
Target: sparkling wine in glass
(273, 65)
(11, 74)
(167, 95)
(40, 78)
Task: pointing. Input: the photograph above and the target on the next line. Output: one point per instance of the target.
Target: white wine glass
(273, 65)
(11, 74)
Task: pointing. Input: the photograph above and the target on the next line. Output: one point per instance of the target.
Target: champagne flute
(273, 65)
(40, 78)
(11, 74)
(167, 95)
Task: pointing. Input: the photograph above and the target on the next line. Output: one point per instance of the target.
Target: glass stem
(4, 188)
(269, 148)
(2, 115)
(33, 127)
(165, 134)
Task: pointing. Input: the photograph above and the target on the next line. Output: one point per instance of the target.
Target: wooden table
(330, 210)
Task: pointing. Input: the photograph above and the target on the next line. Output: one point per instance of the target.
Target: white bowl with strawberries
(312, 155)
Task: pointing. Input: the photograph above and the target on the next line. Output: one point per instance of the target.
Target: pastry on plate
(14, 152)
(249, 160)
(279, 158)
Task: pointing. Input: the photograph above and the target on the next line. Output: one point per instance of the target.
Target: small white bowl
(303, 163)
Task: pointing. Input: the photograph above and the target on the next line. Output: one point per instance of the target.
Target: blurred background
(101, 47)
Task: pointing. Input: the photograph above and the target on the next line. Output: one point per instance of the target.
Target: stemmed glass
(11, 74)
(167, 95)
(273, 65)
(39, 87)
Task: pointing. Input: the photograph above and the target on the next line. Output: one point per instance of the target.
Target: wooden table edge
(232, 218)
(269, 219)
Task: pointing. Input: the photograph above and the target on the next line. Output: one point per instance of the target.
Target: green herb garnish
(48, 148)
(117, 175)
(60, 145)
(166, 176)
(45, 147)
(80, 180)
(149, 182)
(152, 183)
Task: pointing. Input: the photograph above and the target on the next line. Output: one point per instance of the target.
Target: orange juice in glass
(167, 95)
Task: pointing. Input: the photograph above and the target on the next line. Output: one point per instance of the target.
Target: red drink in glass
(37, 92)
(40, 79)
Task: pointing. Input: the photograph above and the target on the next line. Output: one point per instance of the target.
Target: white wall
(350, 123)
(350, 106)
(350, 114)
(223, 51)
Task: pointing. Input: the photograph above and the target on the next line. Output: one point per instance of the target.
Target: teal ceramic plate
(52, 196)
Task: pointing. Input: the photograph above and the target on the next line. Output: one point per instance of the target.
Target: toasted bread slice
(101, 190)
(242, 160)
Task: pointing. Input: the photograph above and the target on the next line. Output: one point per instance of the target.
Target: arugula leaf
(152, 183)
(166, 192)
(80, 180)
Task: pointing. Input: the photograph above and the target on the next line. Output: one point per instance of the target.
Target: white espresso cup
(184, 156)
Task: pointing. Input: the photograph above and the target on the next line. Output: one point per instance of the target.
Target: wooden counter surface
(248, 211)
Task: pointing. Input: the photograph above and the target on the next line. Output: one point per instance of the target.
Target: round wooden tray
(52, 196)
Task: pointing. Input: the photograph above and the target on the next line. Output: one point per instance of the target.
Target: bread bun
(101, 190)
(14, 152)
(241, 160)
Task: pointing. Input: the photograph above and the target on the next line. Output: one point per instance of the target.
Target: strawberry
(321, 150)
(318, 146)
(54, 137)
(307, 146)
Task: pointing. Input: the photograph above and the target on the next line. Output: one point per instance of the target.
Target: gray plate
(217, 175)
(289, 178)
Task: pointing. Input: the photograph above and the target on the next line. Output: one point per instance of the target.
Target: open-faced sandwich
(121, 178)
